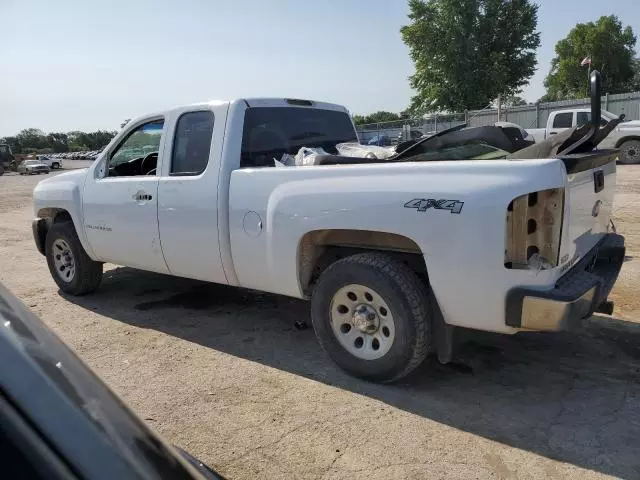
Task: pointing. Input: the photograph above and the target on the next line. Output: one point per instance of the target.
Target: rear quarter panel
(464, 253)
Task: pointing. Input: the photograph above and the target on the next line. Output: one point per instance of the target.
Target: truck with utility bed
(625, 137)
(462, 229)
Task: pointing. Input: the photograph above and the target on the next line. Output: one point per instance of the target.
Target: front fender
(63, 193)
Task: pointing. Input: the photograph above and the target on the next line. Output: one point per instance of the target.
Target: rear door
(188, 193)
(561, 121)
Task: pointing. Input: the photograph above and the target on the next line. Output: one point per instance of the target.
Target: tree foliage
(33, 140)
(377, 117)
(468, 52)
(610, 46)
(513, 101)
(634, 83)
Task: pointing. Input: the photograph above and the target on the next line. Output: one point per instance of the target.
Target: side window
(192, 143)
(138, 153)
(563, 120)
(583, 118)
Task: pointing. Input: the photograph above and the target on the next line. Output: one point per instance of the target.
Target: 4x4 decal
(424, 204)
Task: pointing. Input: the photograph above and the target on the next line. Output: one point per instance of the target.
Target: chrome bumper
(576, 295)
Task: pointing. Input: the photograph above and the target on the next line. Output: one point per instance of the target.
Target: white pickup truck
(392, 253)
(52, 163)
(626, 136)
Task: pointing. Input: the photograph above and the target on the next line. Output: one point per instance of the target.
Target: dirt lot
(224, 374)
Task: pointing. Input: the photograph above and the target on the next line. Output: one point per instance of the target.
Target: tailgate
(591, 183)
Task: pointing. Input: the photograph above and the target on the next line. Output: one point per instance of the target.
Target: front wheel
(55, 165)
(630, 152)
(70, 266)
(372, 315)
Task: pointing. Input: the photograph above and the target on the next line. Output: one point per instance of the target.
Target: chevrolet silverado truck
(461, 229)
(625, 137)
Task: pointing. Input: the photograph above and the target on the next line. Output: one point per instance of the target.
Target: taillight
(534, 225)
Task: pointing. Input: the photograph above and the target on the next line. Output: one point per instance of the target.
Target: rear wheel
(55, 165)
(630, 152)
(70, 266)
(372, 315)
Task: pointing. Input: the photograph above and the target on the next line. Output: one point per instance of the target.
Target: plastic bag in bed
(353, 149)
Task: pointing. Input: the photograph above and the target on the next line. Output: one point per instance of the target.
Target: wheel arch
(47, 216)
(317, 249)
(626, 139)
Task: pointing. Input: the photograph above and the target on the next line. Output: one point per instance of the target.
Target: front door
(120, 200)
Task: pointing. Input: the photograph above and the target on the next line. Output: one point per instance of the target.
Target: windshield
(270, 132)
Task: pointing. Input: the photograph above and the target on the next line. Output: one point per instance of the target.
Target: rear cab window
(270, 132)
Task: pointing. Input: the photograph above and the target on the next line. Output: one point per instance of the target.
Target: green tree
(634, 83)
(32, 140)
(610, 47)
(377, 117)
(514, 101)
(468, 52)
(58, 142)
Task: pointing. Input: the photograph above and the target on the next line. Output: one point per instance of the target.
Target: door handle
(142, 197)
(553, 133)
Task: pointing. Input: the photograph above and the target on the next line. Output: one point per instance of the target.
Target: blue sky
(88, 64)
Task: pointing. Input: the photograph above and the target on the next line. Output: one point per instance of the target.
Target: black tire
(629, 152)
(403, 292)
(88, 273)
(55, 165)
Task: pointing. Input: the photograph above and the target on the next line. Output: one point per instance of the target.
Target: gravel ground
(224, 374)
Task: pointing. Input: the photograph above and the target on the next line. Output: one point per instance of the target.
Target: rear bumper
(576, 295)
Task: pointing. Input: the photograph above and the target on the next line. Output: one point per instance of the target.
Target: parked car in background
(60, 421)
(626, 136)
(31, 167)
(51, 161)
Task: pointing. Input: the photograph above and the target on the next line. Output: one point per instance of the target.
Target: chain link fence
(527, 116)
(394, 132)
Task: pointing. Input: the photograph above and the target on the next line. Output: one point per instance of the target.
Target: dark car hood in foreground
(89, 427)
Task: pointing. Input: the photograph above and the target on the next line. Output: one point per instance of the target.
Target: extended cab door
(560, 121)
(120, 200)
(188, 193)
